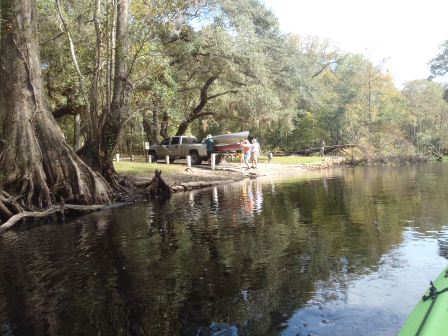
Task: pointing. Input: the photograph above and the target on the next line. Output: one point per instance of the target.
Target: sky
(405, 33)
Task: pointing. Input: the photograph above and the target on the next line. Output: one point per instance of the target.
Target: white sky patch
(406, 33)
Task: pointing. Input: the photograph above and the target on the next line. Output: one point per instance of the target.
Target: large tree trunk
(156, 125)
(151, 126)
(35, 160)
(91, 151)
(99, 152)
(164, 125)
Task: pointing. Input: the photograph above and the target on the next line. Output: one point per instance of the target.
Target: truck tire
(153, 157)
(195, 158)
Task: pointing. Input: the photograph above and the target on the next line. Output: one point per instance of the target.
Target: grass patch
(147, 169)
(292, 160)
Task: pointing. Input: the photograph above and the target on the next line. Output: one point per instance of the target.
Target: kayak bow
(430, 315)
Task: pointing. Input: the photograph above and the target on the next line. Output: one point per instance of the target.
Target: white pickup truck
(178, 147)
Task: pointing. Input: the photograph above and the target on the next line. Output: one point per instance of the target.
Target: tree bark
(152, 127)
(164, 126)
(156, 125)
(76, 131)
(113, 120)
(99, 153)
(91, 151)
(38, 164)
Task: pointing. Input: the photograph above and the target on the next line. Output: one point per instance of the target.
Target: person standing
(255, 152)
(209, 143)
(246, 152)
(322, 148)
(240, 153)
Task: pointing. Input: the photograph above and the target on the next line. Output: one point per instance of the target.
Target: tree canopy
(214, 66)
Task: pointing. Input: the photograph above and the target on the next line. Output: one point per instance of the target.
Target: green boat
(430, 316)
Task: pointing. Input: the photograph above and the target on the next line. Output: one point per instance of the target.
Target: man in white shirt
(255, 152)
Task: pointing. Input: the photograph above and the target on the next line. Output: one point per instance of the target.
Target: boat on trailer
(230, 138)
(229, 142)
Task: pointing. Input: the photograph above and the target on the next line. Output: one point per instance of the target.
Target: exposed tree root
(117, 183)
(8, 205)
(142, 184)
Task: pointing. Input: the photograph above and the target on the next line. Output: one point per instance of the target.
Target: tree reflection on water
(254, 258)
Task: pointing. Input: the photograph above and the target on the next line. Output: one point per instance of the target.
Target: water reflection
(345, 253)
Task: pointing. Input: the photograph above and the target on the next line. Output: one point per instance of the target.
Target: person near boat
(240, 152)
(210, 145)
(254, 153)
(245, 147)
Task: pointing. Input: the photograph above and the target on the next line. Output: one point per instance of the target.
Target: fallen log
(436, 153)
(177, 188)
(327, 149)
(158, 186)
(234, 170)
(185, 186)
(142, 184)
(191, 185)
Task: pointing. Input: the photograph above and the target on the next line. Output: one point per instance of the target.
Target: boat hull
(230, 138)
(425, 320)
(225, 148)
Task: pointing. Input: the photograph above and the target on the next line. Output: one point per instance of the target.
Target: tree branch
(222, 94)
(326, 65)
(204, 98)
(64, 29)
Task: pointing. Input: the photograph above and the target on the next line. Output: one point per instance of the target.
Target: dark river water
(343, 252)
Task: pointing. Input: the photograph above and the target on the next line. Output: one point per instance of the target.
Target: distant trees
(427, 118)
(439, 64)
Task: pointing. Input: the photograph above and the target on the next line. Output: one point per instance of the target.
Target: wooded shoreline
(124, 76)
(151, 185)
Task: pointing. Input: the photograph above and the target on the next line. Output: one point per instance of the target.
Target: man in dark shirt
(209, 142)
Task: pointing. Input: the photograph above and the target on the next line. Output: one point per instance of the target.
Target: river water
(344, 252)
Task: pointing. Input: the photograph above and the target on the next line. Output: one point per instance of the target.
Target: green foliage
(439, 64)
(427, 117)
(288, 90)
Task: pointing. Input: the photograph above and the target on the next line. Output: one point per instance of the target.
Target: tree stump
(158, 189)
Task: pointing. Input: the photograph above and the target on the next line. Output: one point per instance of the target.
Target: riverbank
(178, 173)
(179, 178)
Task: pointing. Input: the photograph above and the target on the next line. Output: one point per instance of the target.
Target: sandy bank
(237, 172)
